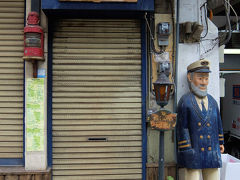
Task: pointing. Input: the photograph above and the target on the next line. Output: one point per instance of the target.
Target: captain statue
(199, 127)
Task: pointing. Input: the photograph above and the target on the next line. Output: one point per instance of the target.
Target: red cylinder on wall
(33, 38)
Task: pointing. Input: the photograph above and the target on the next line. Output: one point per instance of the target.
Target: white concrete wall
(37, 160)
(188, 53)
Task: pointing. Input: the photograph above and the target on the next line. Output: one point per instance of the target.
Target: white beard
(197, 91)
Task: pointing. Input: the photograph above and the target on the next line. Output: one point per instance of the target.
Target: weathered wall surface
(162, 14)
(206, 49)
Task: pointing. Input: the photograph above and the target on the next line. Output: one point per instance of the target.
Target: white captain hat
(202, 65)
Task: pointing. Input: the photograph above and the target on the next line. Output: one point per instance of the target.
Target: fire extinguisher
(33, 41)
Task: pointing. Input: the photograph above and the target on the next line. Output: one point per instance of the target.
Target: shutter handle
(97, 139)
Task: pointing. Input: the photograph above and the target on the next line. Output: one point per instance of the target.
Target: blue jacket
(198, 137)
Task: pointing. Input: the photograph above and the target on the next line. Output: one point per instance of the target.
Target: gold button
(199, 124)
(202, 149)
(209, 148)
(208, 124)
(201, 137)
(208, 136)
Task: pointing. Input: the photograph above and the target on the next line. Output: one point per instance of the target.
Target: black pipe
(176, 77)
(36, 6)
(151, 50)
(176, 55)
(161, 156)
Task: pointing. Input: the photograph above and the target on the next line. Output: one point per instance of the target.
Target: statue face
(200, 80)
(198, 83)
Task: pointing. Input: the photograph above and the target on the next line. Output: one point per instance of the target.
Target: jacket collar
(198, 110)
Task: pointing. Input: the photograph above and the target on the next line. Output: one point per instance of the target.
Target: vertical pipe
(176, 77)
(35, 68)
(144, 95)
(49, 91)
(36, 6)
(161, 156)
(176, 55)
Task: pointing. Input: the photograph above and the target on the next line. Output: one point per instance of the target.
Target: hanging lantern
(162, 88)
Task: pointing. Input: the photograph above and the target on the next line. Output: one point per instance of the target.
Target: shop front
(97, 89)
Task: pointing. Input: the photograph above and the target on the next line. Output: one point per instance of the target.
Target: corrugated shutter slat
(11, 78)
(97, 94)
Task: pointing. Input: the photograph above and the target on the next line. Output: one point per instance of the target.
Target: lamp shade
(162, 88)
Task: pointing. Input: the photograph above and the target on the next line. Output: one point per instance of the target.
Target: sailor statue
(199, 127)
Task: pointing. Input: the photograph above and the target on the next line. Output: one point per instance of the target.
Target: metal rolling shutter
(11, 78)
(97, 94)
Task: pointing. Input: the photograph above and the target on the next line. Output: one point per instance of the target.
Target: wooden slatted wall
(11, 78)
(98, 1)
(97, 94)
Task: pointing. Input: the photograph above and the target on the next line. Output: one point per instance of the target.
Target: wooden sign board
(163, 120)
(98, 1)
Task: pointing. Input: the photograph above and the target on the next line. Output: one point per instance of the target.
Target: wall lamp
(163, 86)
(163, 119)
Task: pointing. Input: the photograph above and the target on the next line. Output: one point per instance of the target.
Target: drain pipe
(36, 6)
(176, 56)
(176, 80)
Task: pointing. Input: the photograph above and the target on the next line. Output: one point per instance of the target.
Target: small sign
(41, 73)
(236, 123)
(163, 120)
(236, 94)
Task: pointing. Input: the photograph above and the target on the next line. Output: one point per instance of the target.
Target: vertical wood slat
(25, 177)
(38, 177)
(19, 173)
(162, 7)
(152, 171)
(99, 0)
(46, 177)
(11, 177)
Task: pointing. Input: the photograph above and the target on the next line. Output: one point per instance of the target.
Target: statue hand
(221, 148)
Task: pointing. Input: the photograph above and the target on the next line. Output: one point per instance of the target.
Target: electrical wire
(151, 51)
(216, 40)
(152, 42)
(209, 49)
(227, 11)
(173, 49)
(210, 39)
(205, 17)
(145, 16)
(233, 12)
